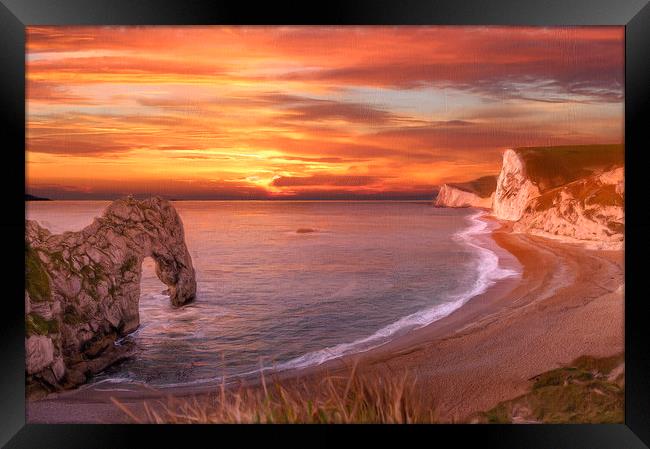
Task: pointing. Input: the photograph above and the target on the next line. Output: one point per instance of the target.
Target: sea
(292, 284)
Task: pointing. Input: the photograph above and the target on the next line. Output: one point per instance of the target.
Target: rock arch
(82, 288)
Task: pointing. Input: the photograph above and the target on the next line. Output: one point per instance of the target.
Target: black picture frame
(15, 15)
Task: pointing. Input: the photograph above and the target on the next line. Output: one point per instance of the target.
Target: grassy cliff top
(588, 390)
(589, 191)
(483, 186)
(550, 167)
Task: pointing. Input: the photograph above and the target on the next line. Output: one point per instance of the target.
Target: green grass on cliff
(586, 391)
(550, 167)
(483, 186)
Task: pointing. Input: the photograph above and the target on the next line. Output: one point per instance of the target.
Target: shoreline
(480, 354)
(491, 263)
(501, 265)
(487, 351)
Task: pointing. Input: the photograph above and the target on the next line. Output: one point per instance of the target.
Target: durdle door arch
(82, 288)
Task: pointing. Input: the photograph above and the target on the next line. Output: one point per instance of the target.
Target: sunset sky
(306, 112)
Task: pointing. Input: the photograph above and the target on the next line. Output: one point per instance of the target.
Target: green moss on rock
(113, 290)
(128, 265)
(38, 325)
(58, 260)
(72, 317)
(93, 274)
(37, 282)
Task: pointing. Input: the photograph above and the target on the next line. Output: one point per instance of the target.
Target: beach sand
(568, 302)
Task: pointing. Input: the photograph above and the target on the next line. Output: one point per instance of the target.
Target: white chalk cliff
(514, 189)
(589, 209)
(571, 193)
(575, 194)
(450, 196)
(476, 193)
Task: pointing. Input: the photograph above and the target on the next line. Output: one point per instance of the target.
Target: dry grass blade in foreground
(334, 399)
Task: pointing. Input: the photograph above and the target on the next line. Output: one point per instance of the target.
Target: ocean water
(269, 297)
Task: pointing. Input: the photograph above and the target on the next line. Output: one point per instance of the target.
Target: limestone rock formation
(590, 208)
(477, 193)
(514, 189)
(83, 288)
(574, 193)
(450, 196)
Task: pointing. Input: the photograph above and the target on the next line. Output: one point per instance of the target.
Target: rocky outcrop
(83, 288)
(450, 196)
(514, 189)
(574, 193)
(527, 173)
(589, 209)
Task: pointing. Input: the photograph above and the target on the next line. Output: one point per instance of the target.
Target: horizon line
(244, 199)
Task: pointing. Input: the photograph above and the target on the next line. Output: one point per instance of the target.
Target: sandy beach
(567, 302)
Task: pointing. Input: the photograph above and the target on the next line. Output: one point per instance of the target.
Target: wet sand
(567, 302)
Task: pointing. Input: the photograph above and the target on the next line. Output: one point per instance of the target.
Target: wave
(489, 272)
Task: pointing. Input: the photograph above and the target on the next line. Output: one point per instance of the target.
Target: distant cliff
(82, 288)
(573, 193)
(29, 197)
(476, 193)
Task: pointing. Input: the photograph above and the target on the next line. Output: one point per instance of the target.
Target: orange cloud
(324, 180)
(259, 112)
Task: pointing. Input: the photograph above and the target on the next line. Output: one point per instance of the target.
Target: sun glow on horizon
(306, 112)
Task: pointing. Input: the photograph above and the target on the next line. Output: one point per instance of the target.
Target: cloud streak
(324, 180)
(277, 112)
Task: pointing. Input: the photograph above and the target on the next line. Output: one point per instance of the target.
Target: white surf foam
(489, 271)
